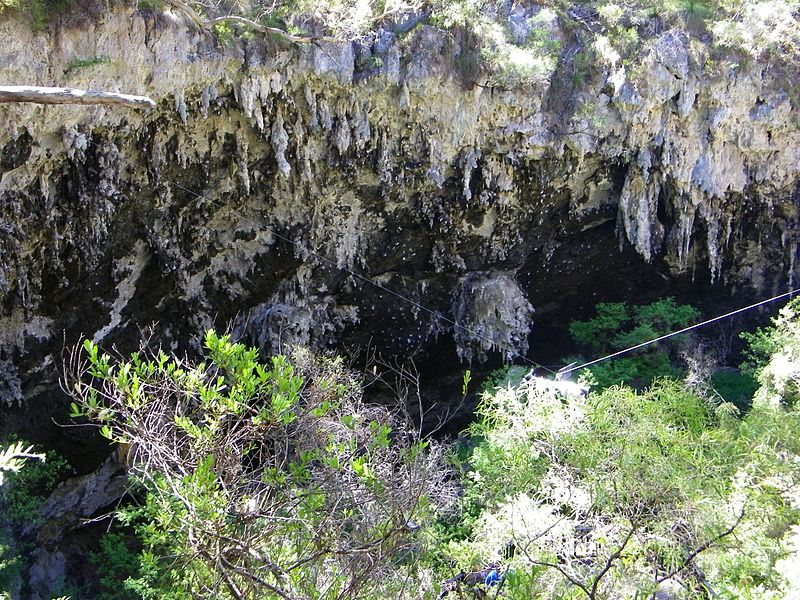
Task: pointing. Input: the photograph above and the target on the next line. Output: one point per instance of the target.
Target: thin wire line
(348, 270)
(570, 369)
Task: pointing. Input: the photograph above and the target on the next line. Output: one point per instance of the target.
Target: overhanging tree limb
(202, 23)
(53, 95)
(296, 39)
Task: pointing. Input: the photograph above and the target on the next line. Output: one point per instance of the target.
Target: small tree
(618, 326)
(261, 480)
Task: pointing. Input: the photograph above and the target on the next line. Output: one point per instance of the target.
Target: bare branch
(702, 548)
(569, 576)
(255, 578)
(610, 561)
(296, 39)
(208, 23)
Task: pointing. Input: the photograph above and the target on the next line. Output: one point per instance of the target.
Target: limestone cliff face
(269, 175)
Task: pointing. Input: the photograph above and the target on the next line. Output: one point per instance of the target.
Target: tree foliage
(625, 493)
(261, 479)
(628, 492)
(619, 326)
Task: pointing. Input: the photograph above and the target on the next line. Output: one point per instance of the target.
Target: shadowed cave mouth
(566, 292)
(579, 277)
(565, 286)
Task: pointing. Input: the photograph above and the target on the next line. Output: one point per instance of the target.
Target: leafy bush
(767, 26)
(267, 479)
(773, 356)
(262, 479)
(36, 11)
(502, 377)
(618, 326)
(623, 492)
(30, 486)
(21, 496)
(735, 387)
(117, 565)
(150, 4)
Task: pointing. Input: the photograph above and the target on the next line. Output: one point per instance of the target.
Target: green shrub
(77, 64)
(24, 486)
(36, 11)
(618, 326)
(261, 478)
(597, 497)
(27, 488)
(150, 4)
(606, 496)
(736, 387)
(589, 498)
(760, 28)
(117, 565)
(11, 565)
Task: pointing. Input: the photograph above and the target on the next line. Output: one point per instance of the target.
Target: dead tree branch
(53, 95)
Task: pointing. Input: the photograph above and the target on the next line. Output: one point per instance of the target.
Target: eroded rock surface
(272, 184)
